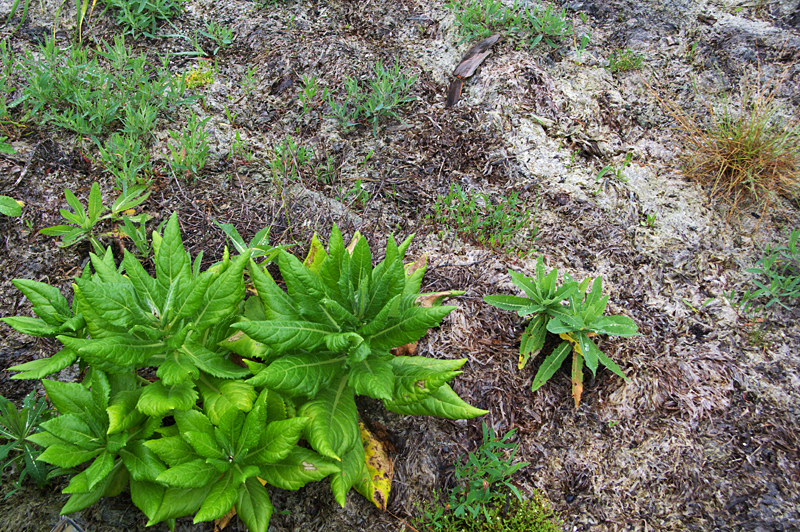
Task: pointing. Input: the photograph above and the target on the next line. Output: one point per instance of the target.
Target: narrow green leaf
(39, 369)
(589, 351)
(512, 303)
(551, 365)
(171, 258)
(615, 325)
(277, 305)
(284, 336)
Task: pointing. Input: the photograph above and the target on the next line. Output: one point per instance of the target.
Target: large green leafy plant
(167, 407)
(576, 322)
(328, 339)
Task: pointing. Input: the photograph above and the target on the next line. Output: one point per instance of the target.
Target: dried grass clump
(747, 156)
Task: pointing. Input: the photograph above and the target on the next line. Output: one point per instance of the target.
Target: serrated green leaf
(444, 402)
(213, 363)
(178, 502)
(333, 426)
(171, 258)
(114, 353)
(412, 325)
(73, 429)
(31, 326)
(221, 395)
(223, 294)
(48, 301)
(158, 400)
(300, 467)
(277, 305)
(304, 288)
(176, 368)
(172, 450)
(296, 375)
(253, 505)
(550, 365)
(38, 369)
(142, 463)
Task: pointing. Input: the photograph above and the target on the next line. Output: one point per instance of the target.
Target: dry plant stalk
(746, 158)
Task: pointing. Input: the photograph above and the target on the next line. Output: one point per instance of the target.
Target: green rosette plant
(329, 338)
(576, 322)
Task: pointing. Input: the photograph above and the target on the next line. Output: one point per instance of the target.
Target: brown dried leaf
(223, 521)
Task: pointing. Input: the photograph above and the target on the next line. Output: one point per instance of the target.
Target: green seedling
(576, 323)
(190, 149)
(624, 60)
(82, 221)
(776, 275)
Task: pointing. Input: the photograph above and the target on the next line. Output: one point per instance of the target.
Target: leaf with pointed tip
(373, 377)
(172, 449)
(171, 258)
(141, 462)
(353, 471)
(146, 496)
(68, 397)
(48, 301)
(284, 336)
(38, 369)
(253, 505)
(278, 440)
(66, 455)
(444, 402)
(418, 377)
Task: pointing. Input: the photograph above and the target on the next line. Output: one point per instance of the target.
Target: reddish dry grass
(746, 157)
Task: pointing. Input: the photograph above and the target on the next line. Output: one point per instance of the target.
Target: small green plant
(357, 194)
(199, 76)
(649, 220)
(221, 35)
(485, 476)
(624, 60)
(778, 275)
(137, 233)
(259, 245)
(523, 22)
(576, 323)
(16, 426)
(249, 82)
(308, 94)
(123, 93)
(327, 170)
(127, 159)
(10, 207)
(384, 94)
(240, 148)
(579, 49)
(476, 217)
(190, 149)
(143, 17)
(82, 223)
(616, 173)
(289, 161)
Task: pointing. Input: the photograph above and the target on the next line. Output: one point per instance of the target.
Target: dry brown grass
(747, 155)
